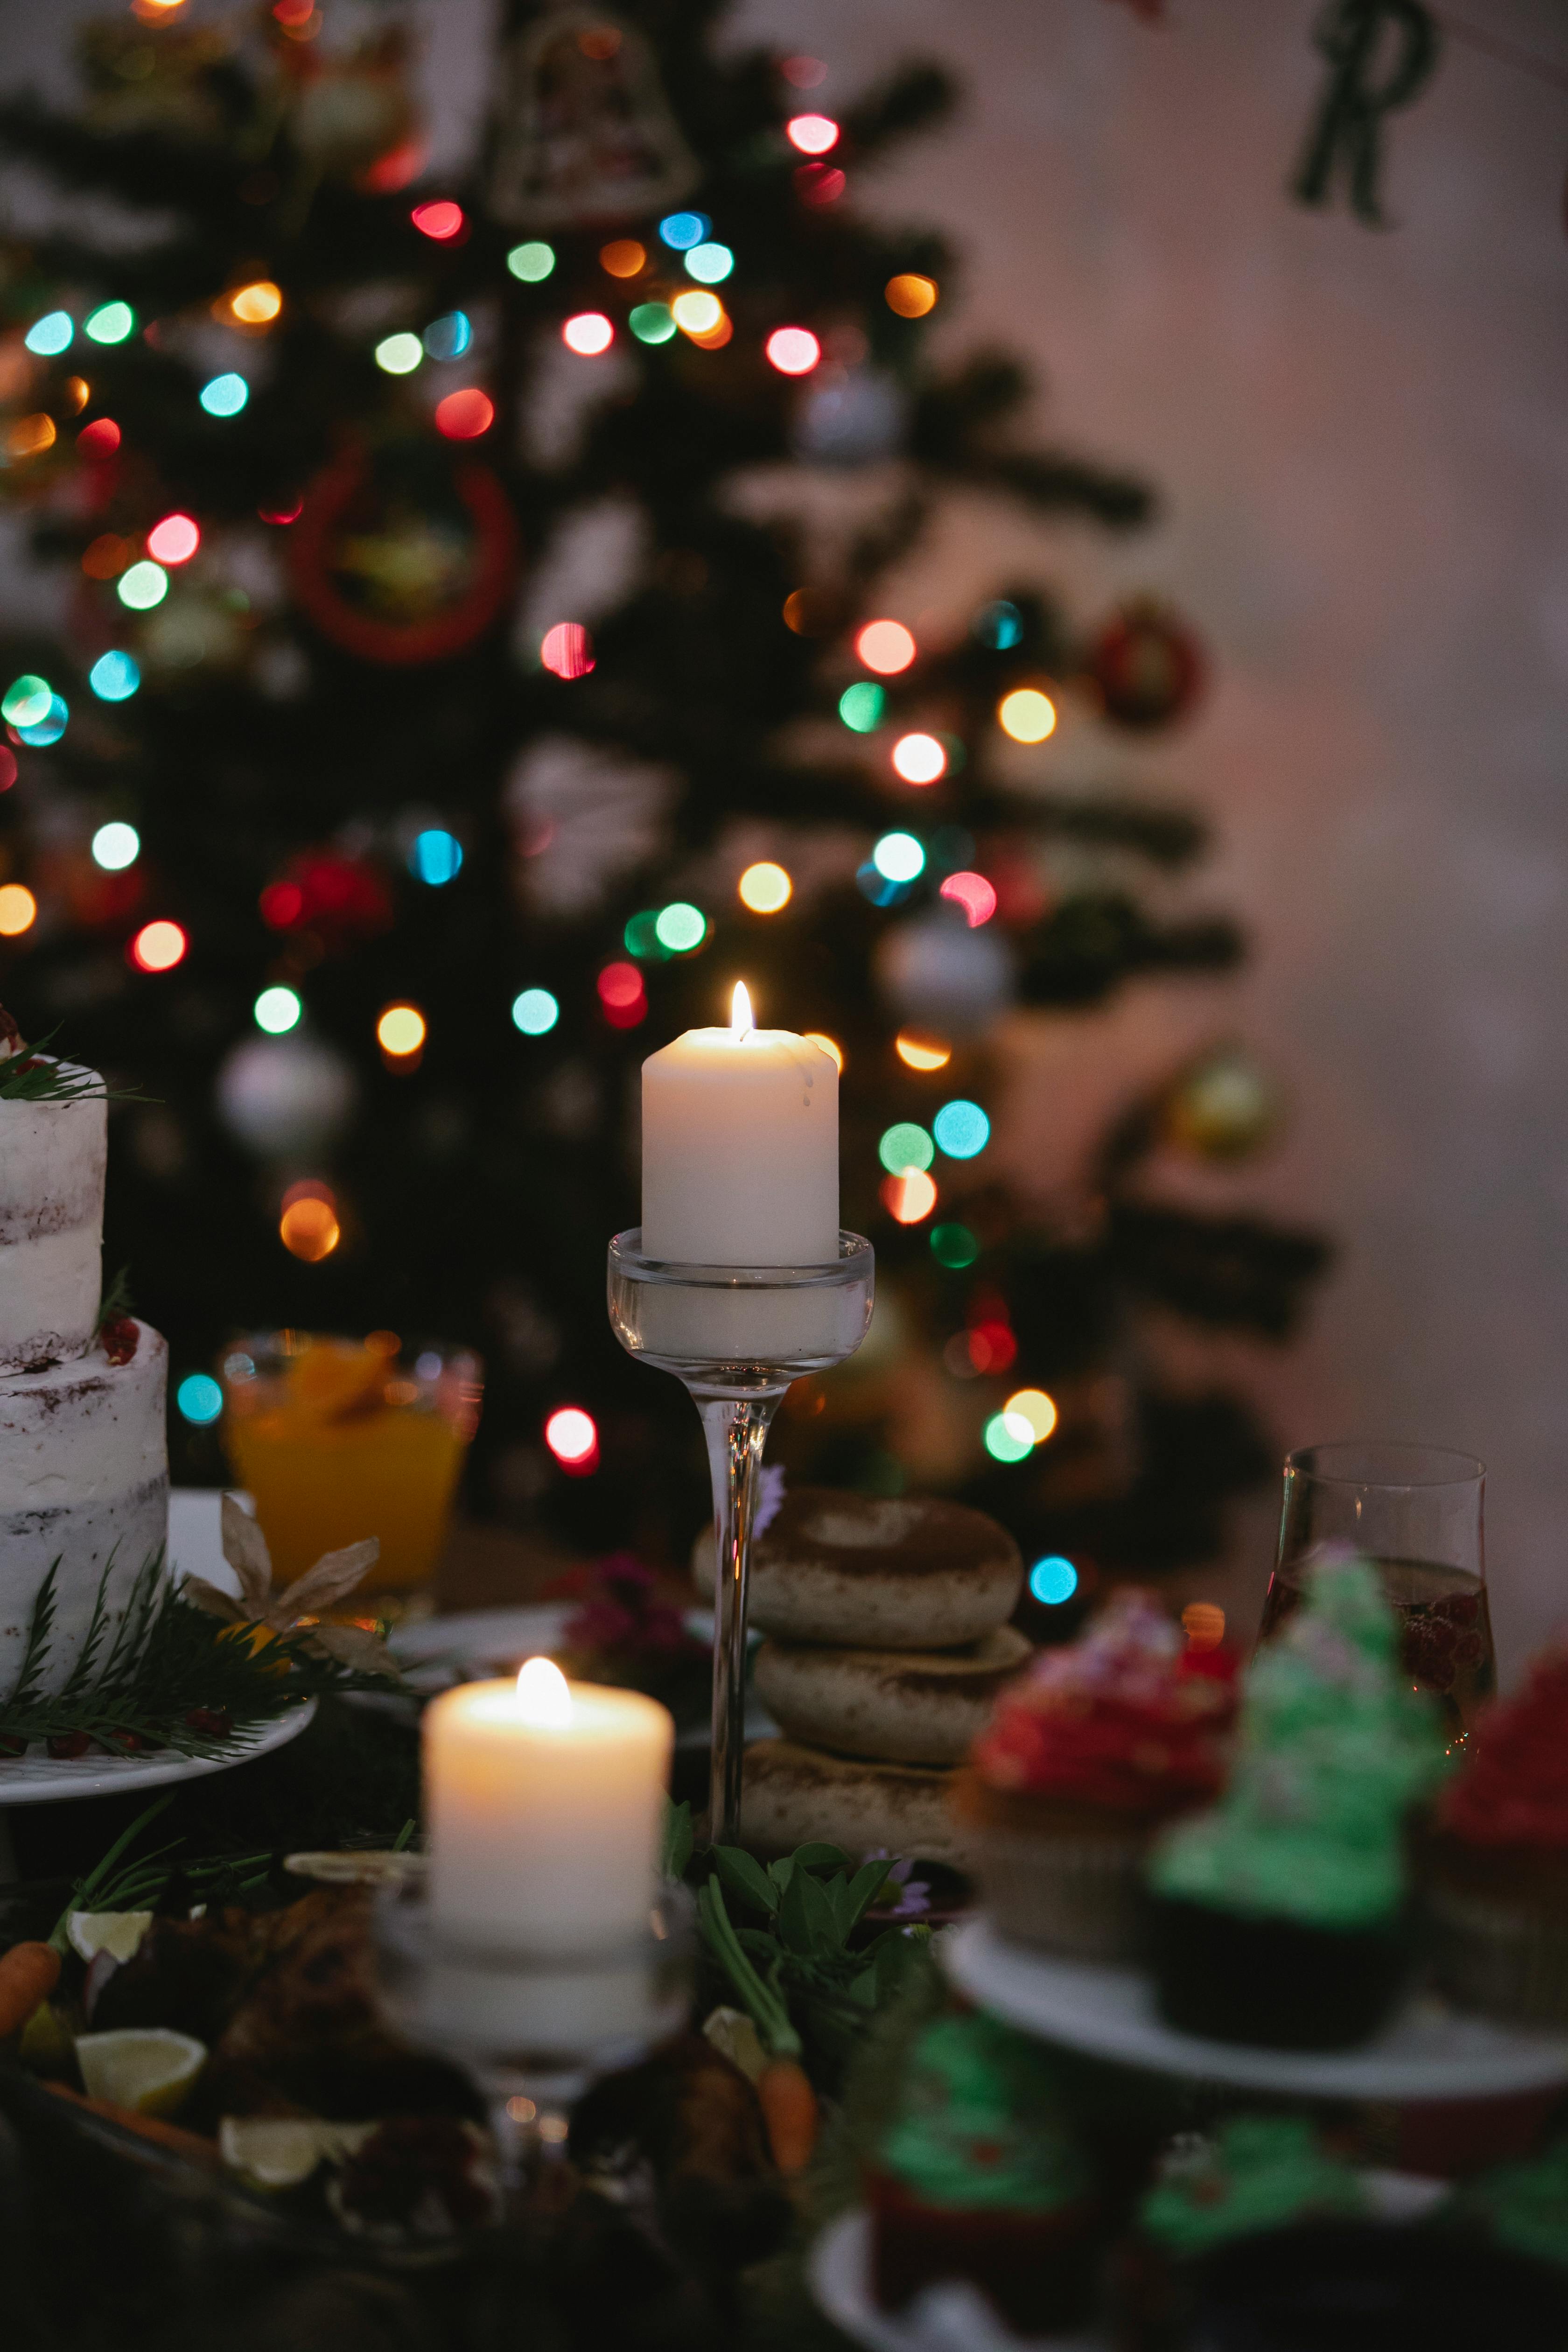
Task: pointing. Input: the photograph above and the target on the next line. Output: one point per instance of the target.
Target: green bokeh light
(905, 1146)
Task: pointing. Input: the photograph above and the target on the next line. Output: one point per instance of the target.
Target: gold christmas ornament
(1224, 1107)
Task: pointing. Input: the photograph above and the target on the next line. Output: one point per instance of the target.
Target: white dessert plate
(45, 1780)
(956, 2319)
(1428, 2051)
(952, 2318)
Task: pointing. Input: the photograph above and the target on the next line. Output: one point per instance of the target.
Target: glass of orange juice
(338, 1439)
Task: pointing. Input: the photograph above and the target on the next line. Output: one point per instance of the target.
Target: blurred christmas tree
(476, 656)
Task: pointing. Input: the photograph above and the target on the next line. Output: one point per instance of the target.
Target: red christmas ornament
(1147, 664)
(340, 899)
(401, 561)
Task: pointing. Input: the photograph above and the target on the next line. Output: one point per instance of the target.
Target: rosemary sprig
(32, 1074)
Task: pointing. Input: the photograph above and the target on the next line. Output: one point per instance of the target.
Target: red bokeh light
(464, 415)
(441, 221)
(283, 904)
(567, 650)
(974, 893)
(794, 351)
(393, 170)
(283, 512)
(992, 1347)
(174, 540)
(819, 184)
(8, 769)
(813, 135)
(158, 947)
(622, 997)
(98, 439)
(574, 1439)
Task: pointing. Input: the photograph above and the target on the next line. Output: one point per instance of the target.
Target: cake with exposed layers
(84, 1481)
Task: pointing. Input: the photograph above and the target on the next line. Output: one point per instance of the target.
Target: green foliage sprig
(33, 1074)
(806, 1984)
(166, 1675)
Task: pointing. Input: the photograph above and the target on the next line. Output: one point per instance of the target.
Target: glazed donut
(905, 1707)
(918, 1573)
(800, 1796)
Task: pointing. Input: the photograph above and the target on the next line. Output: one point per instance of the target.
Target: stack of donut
(888, 1642)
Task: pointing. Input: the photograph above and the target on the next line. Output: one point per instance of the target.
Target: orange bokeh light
(921, 1053)
(158, 947)
(18, 910)
(911, 295)
(309, 1228)
(833, 1051)
(908, 1197)
(623, 256)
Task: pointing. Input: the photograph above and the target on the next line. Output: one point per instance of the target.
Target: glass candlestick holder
(736, 1336)
(530, 2030)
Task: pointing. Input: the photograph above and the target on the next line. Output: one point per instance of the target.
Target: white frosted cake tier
(84, 1481)
(51, 1229)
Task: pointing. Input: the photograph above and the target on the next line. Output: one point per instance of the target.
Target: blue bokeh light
(436, 856)
(113, 677)
(199, 1397)
(961, 1128)
(681, 231)
(1053, 1580)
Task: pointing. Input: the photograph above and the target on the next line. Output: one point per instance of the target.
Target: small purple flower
(914, 1894)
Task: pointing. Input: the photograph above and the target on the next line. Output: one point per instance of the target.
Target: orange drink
(339, 1439)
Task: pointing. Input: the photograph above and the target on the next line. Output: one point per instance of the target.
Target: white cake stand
(48, 1779)
(1429, 2050)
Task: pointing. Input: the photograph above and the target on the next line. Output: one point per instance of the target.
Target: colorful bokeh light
(309, 1227)
(764, 888)
(535, 1012)
(681, 231)
(1035, 1407)
(26, 699)
(436, 856)
(199, 1399)
(1026, 715)
(50, 727)
(974, 893)
(697, 314)
(143, 586)
(910, 1197)
(587, 334)
(812, 134)
(794, 351)
(98, 439)
(572, 1437)
(652, 322)
(114, 678)
(115, 846)
(999, 626)
(566, 650)
(954, 1246)
(447, 337)
(622, 997)
(18, 910)
(1053, 1580)
(861, 706)
(110, 323)
(51, 334)
(401, 1030)
(256, 305)
(1008, 1437)
(623, 256)
(885, 646)
(830, 1046)
(911, 295)
(898, 857)
(532, 262)
(709, 264)
(399, 355)
(225, 394)
(276, 1011)
(962, 1129)
(681, 927)
(174, 540)
(921, 1053)
(905, 1146)
(919, 759)
(442, 221)
(158, 947)
(464, 415)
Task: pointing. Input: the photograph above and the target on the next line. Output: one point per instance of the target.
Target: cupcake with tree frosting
(1279, 1914)
(978, 2177)
(1496, 1868)
(1099, 1745)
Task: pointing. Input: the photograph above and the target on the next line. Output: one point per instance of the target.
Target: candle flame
(741, 1020)
(544, 1697)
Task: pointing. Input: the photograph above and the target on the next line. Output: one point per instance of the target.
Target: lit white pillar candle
(740, 1147)
(544, 1801)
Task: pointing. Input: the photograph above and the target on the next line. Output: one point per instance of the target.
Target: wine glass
(1415, 1512)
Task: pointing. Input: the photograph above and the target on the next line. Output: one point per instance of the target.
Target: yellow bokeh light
(834, 1053)
(401, 1029)
(922, 1053)
(30, 436)
(256, 305)
(623, 256)
(764, 888)
(309, 1228)
(1027, 715)
(18, 910)
(911, 295)
(697, 313)
(1034, 1406)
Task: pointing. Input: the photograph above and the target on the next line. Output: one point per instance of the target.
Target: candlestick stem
(736, 1429)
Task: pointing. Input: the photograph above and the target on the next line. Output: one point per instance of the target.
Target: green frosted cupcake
(980, 2179)
(1278, 1915)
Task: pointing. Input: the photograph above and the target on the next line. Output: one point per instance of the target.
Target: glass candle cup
(338, 1439)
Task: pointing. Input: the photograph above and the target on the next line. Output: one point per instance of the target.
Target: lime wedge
(116, 1932)
(281, 2151)
(145, 2067)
